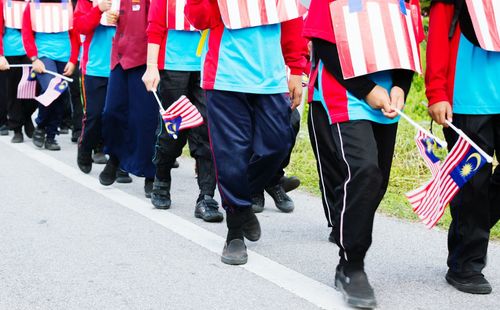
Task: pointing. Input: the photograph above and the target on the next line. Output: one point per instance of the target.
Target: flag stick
(406, 117)
(462, 134)
(159, 102)
(46, 71)
(19, 65)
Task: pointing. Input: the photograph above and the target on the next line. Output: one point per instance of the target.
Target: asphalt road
(66, 242)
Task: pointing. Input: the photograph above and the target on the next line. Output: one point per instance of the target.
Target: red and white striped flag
(51, 17)
(485, 16)
(176, 19)
(237, 14)
(56, 87)
(27, 86)
(181, 115)
(430, 200)
(377, 37)
(425, 145)
(13, 13)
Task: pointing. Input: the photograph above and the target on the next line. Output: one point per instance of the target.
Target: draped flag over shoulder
(176, 19)
(27, 86)
(430, 200)
(425, 146)
(56, 87)
(181, 115)
(485, 16)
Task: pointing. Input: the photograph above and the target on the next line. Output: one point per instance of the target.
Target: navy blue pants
(129, 121)
(94, 91)
(49, 118)
(250, 135)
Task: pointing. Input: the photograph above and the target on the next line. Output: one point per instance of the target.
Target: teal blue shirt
(55, 46)
(180, 51)
(99, 63)
(13, 43)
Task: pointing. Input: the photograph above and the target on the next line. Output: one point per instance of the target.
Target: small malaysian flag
(176, 19)
(430, 200)
(56, 87)
(27, 86)
(485, 16)
(13, 13)
(237, 14)
(425, 146)
(49, 17)
(181, 115)
(376, 35)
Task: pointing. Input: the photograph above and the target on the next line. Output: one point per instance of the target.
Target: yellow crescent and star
(468, 168)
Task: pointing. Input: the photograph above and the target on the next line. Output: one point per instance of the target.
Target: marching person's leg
(4, 129)
(76, 104)
(495, 178)
(14, 105)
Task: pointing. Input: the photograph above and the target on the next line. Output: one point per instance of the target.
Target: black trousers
(476, 207)
(174, 84)
(73, 107)
(94, 98)
(19, 111)
(357, 158)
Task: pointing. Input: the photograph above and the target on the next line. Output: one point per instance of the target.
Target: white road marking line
(317, 293)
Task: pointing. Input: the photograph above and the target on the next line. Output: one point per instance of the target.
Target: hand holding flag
(4, 64)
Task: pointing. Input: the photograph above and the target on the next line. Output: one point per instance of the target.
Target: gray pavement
(67, 246)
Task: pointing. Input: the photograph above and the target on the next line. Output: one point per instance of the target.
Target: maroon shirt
(131, 42)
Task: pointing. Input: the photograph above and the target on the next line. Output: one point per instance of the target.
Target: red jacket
(86, 19)
(29, 38)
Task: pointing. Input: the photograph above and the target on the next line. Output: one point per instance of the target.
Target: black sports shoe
(84, 160)
(258, 202)
(234, 253)
(51, 145)
(148, 187)
(64, 130)
(355, 287)
(29, 128)
(18, 137)
(4, 130)
(75, 135)
(123, 177)
(281, 199)
(39, 137)
(108, 175)
(160, 196)
(176, 164)
(99, 157)
(289, 183)
(207, 209)
(476, 284)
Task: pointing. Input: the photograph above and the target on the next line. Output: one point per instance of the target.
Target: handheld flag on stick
(27, 86)
(46, 71)
(425, 145)
(414, 124)
(182, 114)
(56, 87)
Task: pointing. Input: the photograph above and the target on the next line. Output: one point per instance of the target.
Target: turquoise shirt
(99, 62)
(180, 51)
(55, 46)
(13, 42)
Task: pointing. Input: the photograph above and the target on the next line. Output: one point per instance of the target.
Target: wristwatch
(33, 58)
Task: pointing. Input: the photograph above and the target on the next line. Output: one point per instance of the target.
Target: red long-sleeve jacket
(85, 21)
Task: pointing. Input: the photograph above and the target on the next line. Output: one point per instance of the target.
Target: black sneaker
(108, 175)
(29, 128)
(331, 237)
(282, 201)
(160, 196)
(123, 177)
(258, 202)
(39, 137)
(355, 287)
(148, 187)
(234, 253)
(51, 145)
(289, 183)
(207, 209)
(75, 135)
(476, 284)
(4, 130)
(64, 130)
(18, 137)
(99, 157)
(176, 164)
(84, 160)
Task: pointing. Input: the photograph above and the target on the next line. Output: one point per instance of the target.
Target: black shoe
(99, 158)
(283, 202)
(176, 164)
(355, 287)
(289, 183)
(29, 128)
(251, 227)
(160, 196)
(51, 145)
(475, 284)
(75, 135)
(123, 177)
(207, 209)
(4, 130)
(148, 187)
(84, 160)
(39, 137)
(258, 203)
(64, 130)
(108, 175)
(18, 137)
(331, 237)
(234, 253)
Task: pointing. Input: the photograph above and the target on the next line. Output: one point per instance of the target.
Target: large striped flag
(27, 86)
(181, 115)
(56, 87)
(50, 17)
(176, 19)
(237, 14)
(376, 35)
(13, 13)
(485, 16)
(425, 146)
(430, 200)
